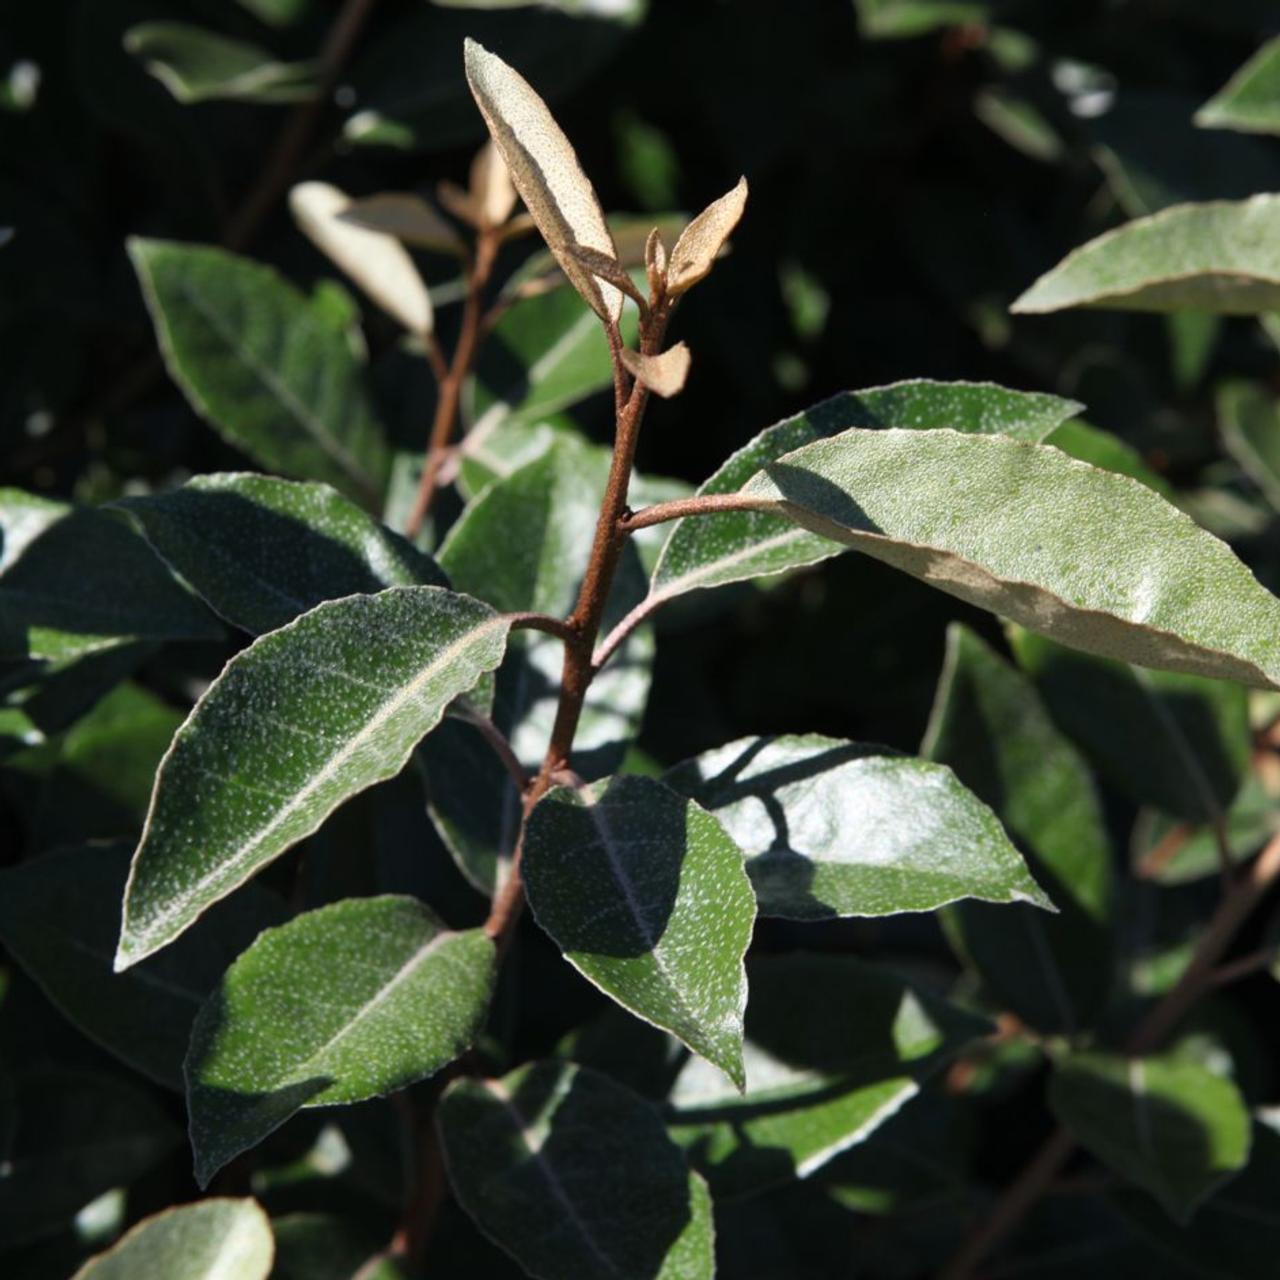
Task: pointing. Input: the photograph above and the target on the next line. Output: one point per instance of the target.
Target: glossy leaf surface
(1091, 559)
(351, 1001)
(1166, 1123)
(296, 724)
(1219, 257)
(574, 1175)
(213, 1239)
(262, 366)
(834, 828)
(990, 726)
(260, 550)
(645, 894)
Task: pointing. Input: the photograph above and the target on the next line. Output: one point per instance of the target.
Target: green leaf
(574, 1175)
(260, 551)
(213, 1239)
(76, 581)
(260, 364)
(1102, 449)
(899, 19)
(197, 65)
(1164, 1122)
(1054, 972)
(352, 1001)
(1249, 418)
(833, 828)
(322, 1246)
(645, 894)
(297, 723)
(1089, 558)
(1178, 742)
(59, 919)
(817, 1084)
(1219, 257)
(77, 1136)
(709, 551)
(1250, 100)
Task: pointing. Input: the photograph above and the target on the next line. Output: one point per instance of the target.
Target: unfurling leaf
(493, 195)
(546, 172)
(407, 217)
(373, 259)
(655, 261)
(663, 374)
(701, 241)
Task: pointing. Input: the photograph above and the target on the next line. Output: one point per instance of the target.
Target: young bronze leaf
(373, 259)
(546, 172)
(493, 196)
(407, 217)
(611, 270)
(663, 374)
(1094, 560)
(701, 241)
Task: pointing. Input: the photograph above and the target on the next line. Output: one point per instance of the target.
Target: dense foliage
(464, 809)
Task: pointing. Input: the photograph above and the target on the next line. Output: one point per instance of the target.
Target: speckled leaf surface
(297, 723)
(76, 580)
(1166, 1123)
(990, 726)
(1089, 558)
(77, 1135)
(709, 551)
(646, 896)
(1249, 419)
(573, 1175)
(1178, 742)
(59, 919)
(1221, 256)
(835, 828)
(351, 1001)
(260, 550)
(262, 366)
(834, 1048)
(1250, 100)
(214, 1239)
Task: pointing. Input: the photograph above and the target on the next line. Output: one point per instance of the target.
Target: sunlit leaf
(1250, 100)
(702, 240)
(664, 374)
(407, 217)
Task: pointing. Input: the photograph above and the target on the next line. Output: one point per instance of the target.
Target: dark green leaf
(645, 894)
(357, 999)
(214, 1239)
(833, 828)
(990, 726)
(321, 1246)
(1249, 418)
(60, 917)
(262, 366)
(297, 723)
(1086, 557)
(1169, 1125)
(817, 1081)
(1102, 449)
(1250, 100)
(708, 551)
(261, 551)
(1178, 742)
(899, 19)
(574, 1176)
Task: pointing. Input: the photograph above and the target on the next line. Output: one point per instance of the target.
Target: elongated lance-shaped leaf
(1222, 257)
(1091, 559)
(259, 363)
(546, 172)
(1170, 1125)
(214, 1239)
(1250, 100)
(645, 894)
(573, 1175)
(1249, 419)
(407, 217)
(709, 551)
(832, 828)
(376, 261)
(260, 550)
(700, 242)
(301, 720)
(990, 727)
(351, 1001)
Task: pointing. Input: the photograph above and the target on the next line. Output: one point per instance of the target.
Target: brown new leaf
(492, 194)
(703, 238)
(545, 171)
(410, 219)
(663, 374)
(655, 262)
(607, 268)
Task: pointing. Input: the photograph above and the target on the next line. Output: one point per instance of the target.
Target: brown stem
(702, 505)
(450, 385)
(533, 621)
(298, 129)
(1198, 977)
